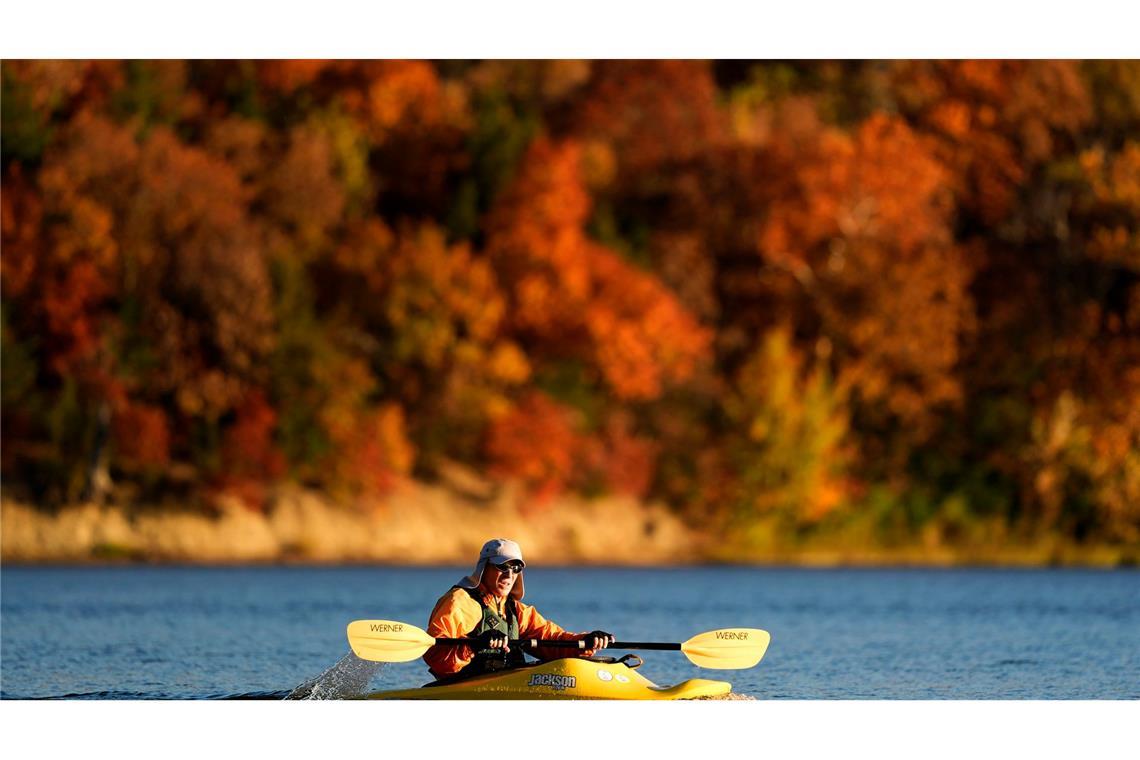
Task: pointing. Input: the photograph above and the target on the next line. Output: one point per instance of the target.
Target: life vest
(490, 660)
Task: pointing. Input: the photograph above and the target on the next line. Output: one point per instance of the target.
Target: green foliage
(153, 93)
(574, 385)
(350, 151)
(18, 366)
(25, 131)
(302, 345)
(1115, 88)
(845, 92)
(503, 129)
(71, 431)
(629, 236)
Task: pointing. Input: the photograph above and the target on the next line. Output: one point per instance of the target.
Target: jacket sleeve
(533, 625)
(455, 615)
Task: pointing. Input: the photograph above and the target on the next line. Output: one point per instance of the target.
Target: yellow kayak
(569, 678)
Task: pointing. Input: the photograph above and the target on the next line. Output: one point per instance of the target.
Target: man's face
(499, 580)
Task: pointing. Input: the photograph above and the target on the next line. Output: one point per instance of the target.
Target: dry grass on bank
(422, 524)
(417, 524)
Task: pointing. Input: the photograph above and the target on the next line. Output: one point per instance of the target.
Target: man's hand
(492, 640)
(598, 639)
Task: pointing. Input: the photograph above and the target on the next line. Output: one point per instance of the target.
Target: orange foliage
(536, 240)
(300, 191)
(372, 451)
(642, 337)
(783, 271)
(60, 253)
(867, 231)
(992, 121)
(1115, 204)
(239, 142)
(547, 81)
(383, 94)
(382, 453)
(169, 220)
(572, 291)
(55, 85)
(362, 257)
(205, 281)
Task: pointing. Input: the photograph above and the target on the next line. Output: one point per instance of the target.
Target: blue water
(259, 632)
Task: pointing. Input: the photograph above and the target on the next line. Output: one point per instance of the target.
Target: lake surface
(260, 632)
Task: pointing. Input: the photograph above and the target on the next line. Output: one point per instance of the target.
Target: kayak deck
(568, 678)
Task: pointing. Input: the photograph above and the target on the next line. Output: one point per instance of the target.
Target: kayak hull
(569, 678)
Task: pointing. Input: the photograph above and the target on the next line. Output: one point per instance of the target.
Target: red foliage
(250, 458)
(630, 460)
(247, 445)
(651, 112)
(21, 214)
(535, 442)
(141, 435)
(289, 75)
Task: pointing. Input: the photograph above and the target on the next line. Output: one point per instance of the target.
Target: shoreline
(883, 563)
(434, 525)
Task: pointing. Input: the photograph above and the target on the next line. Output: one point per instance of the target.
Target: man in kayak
(487, 606)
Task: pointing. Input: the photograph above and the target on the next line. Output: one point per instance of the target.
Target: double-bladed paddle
(724, 649)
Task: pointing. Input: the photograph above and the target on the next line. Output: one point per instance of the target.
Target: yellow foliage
(794, 458)
(1074, 445)
(391, 432)
(508, 363)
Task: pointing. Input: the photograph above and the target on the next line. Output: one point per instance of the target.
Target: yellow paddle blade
(387, 640)
(728, 648)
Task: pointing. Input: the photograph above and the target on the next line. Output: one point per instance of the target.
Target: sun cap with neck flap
(497, 551)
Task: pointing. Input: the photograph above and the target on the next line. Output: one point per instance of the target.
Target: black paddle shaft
(575, 644)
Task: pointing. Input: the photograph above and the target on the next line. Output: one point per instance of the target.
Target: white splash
(348, 679)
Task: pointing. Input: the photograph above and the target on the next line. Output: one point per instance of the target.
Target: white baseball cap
(497, 551)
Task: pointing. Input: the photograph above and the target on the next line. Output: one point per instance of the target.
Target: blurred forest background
(866, 303)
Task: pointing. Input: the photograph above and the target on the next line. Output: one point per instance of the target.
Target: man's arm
(533, 625)
(455, 614)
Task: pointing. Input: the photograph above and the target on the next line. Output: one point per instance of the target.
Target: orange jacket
(456, 614)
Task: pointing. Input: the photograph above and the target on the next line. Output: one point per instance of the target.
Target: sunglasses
(509, 567)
